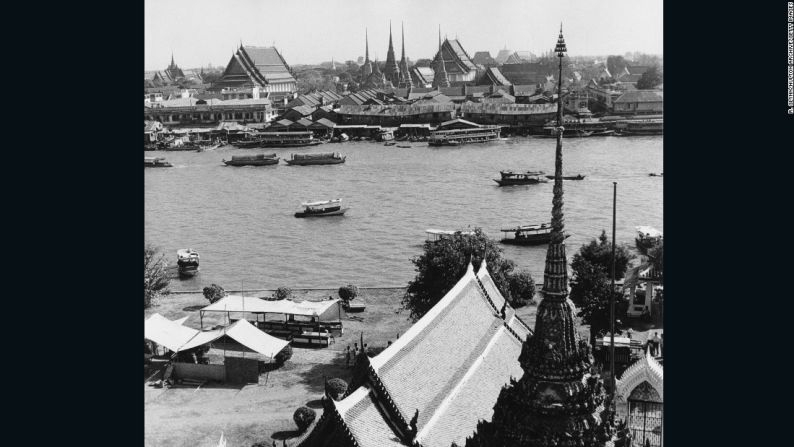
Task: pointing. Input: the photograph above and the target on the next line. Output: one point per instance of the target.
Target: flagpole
(612, 295)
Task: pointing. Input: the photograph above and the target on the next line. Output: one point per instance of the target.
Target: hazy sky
(313, 31)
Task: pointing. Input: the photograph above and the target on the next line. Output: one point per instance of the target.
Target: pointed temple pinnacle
(402, 25)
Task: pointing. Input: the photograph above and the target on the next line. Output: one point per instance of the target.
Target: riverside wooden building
(192, 111)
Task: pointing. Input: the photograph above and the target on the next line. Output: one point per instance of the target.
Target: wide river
(240, 219)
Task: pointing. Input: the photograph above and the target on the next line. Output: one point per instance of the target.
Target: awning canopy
(234, 303)
(167, 333)
(176, 337)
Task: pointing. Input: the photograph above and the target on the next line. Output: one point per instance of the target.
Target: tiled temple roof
(450, 366)
(641, 96)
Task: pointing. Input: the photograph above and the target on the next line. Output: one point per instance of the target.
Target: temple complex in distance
(262, 67)
(171, 75)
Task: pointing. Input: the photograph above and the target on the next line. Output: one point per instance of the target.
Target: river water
(240, 219)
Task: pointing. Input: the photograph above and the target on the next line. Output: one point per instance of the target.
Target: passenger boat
(156, 162)
(510, 178)
(457, 137)
(647, 237)
(288, 139)
(187, 261)
(653, 126)
(252, 160)
(528, 235)
(567, 177)
(434, 235)
(324, 158)
(322, 209)
(248, 143)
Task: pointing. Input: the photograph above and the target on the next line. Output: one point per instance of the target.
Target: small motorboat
(404, 146)
(156, 162)
(510, 178)
(322, 209)
(389, 143)
(252, 160)
(529, 235)
(187, 261)
(653, 174)
(567, 177)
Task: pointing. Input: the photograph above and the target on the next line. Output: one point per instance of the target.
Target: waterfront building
(262, 67)
(558, 400)
(193, 111)
(435, 382)
(510, 115)
(638, 102)
(639, 399)
(396, 114)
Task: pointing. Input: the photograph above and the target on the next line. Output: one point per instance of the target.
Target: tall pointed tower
(366, 69)
(391, 70)
(405, 74)
(558, 401)
(440, 78)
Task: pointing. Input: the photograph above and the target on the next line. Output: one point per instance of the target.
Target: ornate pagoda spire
(172, 60)
(405, 74)
(558, 401)
(440, 77)
(366, 69)
(391, 70)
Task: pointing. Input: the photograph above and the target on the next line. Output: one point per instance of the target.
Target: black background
(74, 216)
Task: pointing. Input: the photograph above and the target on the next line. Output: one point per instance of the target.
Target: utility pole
(612, 296)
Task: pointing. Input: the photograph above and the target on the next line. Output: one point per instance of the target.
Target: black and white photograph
(404, 223)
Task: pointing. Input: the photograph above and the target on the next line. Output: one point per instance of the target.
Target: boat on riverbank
(324, 158)
(434, 235)
(568, 177)
(187, 261)
(456, 137)
(156, 162)
(322, 209)
(653, 126)
(288, 139)
(528, 235)
(510, 178)
(252, 160)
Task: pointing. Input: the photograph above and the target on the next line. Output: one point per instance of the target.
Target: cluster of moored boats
(323, 158)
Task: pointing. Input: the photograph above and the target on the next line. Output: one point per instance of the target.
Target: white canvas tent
(176, 337)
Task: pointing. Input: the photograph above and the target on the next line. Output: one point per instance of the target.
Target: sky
(200, 32)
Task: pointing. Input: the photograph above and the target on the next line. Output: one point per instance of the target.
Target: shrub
(521, 289)
(303, 417)
(155, 275)
(336, 388)
(348, 292)
(282, 293)
(283, 355)
(214, 293)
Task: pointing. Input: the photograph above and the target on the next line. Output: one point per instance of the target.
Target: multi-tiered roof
(435, 382)
(255, 66)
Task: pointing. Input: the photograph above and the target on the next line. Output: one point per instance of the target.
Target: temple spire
(366, 51)
(391, 70)
(440, 78)
(402, 26)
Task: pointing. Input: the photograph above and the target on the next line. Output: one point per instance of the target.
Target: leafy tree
(282, 293)
(336, 388)
(616, 64)
(214, 293)
(155, 276)
(599, 253)
(444, 262)
(591, 286)
(348, 292)
(303, 417)
(522, 288)
(650, 78)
